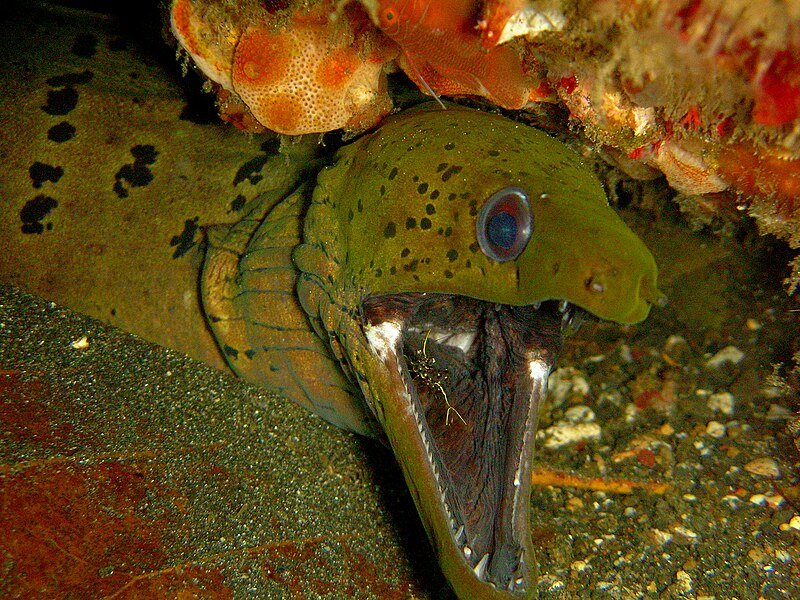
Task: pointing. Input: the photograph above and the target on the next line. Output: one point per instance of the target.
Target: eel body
(422, 296)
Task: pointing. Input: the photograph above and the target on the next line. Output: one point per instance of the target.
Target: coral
(313, 71)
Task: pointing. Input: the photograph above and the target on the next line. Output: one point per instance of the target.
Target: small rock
(661, 538)
(81, 344)
(565, 433)
(794, 523)
(684, 582)
(579, 414)
(729, 354)
(753, 325)
(765, 467)
(715, 429)
(566, 382)
(723, 402)
(732, 501)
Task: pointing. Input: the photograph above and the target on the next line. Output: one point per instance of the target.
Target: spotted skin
(396, 213)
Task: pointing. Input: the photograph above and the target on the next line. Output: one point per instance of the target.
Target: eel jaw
(459, 386)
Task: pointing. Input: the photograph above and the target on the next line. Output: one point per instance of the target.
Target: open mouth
(473, 376)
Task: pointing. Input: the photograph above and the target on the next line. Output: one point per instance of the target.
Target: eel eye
(505, 224)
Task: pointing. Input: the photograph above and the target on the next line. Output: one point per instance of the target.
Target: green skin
(397, 213)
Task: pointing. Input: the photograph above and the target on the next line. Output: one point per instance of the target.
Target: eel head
(445, 257)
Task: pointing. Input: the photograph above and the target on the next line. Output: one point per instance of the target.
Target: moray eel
(440, 263)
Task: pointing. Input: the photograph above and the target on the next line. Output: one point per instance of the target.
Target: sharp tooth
(518, 581)
(562, 306)
(467, 552)
(480, 568)
(516, 478)
(459, 533)
(537, 305)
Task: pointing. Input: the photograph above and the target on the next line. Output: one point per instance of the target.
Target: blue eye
(505, 224)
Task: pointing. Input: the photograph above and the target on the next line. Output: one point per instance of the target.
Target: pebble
(729, 354)
(579, 566)
(565, 433)
(81, 344)
(732, 501)
(684, 581)
(794, 523)
(566, 382)
(661, 538)
(723, 402)
(753, 325)
(765, 467)
(715, 429)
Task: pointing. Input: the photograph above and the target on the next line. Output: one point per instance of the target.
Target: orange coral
(443, 52)
(315, 72)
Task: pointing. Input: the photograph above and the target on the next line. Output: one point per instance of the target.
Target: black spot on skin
(415, 178)
(35, 211)
(383, 190)
(250, 353)
(473, 247)
(61, 102)
(360, 206)
(422, 188)
(450, 171)
(350, 216)
(184, 241)
(494, 153)
(556, 267)
(452, 254)
(378, 273)
(390, 231)
(452, 196)
(411, 222)
(448, 274)
(113, 312)
(449, 146)
(468, 264)
(41, 172)
(412, 266)
(448, 232)
(273, 367)
(238, 203)
(70, 79)
(434, 195)
(393, 270)
(85, 45)
(405, 252)
(63, 132)
(441, 167)
(393, 173)
(230, 351)
(425, 223)
(430, 209)
(136, 174)
(473, 207)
